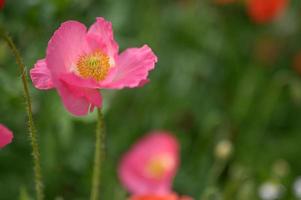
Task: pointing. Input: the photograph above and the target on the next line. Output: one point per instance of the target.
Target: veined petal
(132, 68)
(41, 76)
(77, 81)
(78, 100)
(65, 47)
(100, 37)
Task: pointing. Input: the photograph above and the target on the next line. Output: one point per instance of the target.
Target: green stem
(98, 156)
(31, 126)
(210, 189)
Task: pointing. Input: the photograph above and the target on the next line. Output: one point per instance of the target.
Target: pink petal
(6, 136)
(132, 68)
(40, 76)
(64, 48)
(171, 196)
(100, 36)
(78, 100)
(77, 81)
(143, 82)
(132, 167)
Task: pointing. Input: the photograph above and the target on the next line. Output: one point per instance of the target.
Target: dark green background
(219, 76)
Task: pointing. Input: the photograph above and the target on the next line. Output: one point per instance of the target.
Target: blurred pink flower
(151, 164)
(172, 196)
(6, 136)
(79, 62)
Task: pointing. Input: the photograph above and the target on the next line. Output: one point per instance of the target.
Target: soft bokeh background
(220, 76)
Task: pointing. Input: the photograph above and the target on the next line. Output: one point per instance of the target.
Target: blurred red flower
(262, 11)
(2, 2)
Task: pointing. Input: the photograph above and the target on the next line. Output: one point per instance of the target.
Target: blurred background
(228, 88)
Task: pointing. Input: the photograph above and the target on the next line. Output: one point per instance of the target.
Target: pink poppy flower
(150, 165)
(6, 136)
(79, 62)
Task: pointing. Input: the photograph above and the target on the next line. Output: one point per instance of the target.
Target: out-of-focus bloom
(2, 2)
(270, 191)
(79, 62)
(160, 197)
(267, 50)
(6, 136)
(297, 62)
(281, 168)
(150, 165)
(297, 188)
(224, 2)
(223, 149)
(262, 11)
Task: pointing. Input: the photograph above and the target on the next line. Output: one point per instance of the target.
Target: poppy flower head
(262, 11)
(150, 165)
(80, 61)
(93, 66)
(6, 136)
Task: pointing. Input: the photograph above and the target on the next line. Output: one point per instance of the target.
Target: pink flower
(150, 165)
(6, 136)
(79, 62)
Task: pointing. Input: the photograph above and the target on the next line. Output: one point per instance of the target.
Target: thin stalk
(31, 126)
(98, 156)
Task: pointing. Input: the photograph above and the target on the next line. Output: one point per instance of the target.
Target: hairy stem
(31, 126)
(98, 156)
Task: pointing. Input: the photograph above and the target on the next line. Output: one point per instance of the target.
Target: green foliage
(212, 82)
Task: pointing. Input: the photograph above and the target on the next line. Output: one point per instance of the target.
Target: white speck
(270, 191)
(297, 188)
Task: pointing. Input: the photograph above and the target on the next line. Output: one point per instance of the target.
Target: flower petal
(77, 81)
(6, 136)
(171, 196)
(134, 167)
(64, 48)
(132, 68)
(77, 100)
(100, 36)
(40, 76)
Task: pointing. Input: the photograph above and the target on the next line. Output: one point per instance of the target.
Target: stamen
(95, 65)
(157, 167)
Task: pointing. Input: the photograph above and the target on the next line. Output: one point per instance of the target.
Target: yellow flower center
(157, 167)
(95, 65)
